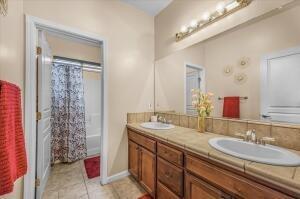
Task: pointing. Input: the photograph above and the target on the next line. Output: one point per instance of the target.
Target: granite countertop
(191, 140)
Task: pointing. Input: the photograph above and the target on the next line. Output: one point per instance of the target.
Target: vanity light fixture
(222, 10)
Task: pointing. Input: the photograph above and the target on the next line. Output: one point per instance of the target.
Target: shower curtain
(68, 132)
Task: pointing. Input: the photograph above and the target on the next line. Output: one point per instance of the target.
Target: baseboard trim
(117, 176)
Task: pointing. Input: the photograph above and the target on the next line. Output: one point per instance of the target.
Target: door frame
(264, 73)
(33, 24)
(203, 77)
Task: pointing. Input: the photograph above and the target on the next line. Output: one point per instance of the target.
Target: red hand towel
(13, 162)
(231, 107)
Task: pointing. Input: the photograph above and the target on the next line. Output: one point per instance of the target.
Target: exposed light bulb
(206, 16)
(220, 7)
(183, 29)
(232, 5)
(193, 23)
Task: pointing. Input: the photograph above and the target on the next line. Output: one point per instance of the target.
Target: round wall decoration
(228, 70)
(240, 78)
(243, 62)
(3, 7)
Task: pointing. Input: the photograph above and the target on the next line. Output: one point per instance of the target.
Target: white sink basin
(267, 154)
(157, 125)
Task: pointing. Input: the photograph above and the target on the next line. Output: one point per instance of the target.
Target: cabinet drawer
(229, 181)
(198, 189)
(170, 154)
(170, 175)
(141, 140)
(164, 193)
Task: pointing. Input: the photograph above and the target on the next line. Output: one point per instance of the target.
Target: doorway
(280, 96)
(194, 79)
(33, 26)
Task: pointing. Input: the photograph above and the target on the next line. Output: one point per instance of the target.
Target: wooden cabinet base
(183, 174)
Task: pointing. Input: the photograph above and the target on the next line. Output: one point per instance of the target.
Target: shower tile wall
(92, 98)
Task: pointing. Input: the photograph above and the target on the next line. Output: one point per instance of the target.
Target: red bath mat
(145, 196)
(92, 166)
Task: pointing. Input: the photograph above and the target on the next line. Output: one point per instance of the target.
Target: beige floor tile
(50, 195)
(127, 188)
(73, 191)
(66, 167)
(96, 186)
(84, 197)
(69, 181)
(98, 194)
(61, 180)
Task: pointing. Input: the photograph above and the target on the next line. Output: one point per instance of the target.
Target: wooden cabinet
(142, 141)
(198, 189)
(171, 176)
(164, 193)
(133, 161)
(147, 170)
(183, 174)
(233, 183)
(142, 163)
(172, 155)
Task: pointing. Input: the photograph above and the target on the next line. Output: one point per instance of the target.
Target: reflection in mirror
(253, 71)
(194, 79)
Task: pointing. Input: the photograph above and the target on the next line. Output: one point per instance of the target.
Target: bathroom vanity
(179, 163)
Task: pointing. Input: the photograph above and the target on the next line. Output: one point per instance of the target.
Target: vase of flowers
(203, 104)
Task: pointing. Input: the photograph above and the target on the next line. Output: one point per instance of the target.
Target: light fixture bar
(221, 12)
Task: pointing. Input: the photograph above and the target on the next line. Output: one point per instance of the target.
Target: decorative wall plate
(243, 62)
(240, 78)
(3, 7)
(228, 70)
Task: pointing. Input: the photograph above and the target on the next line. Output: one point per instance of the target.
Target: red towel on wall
(231, 107)
(13, 162)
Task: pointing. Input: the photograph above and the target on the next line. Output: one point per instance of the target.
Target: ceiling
(152, 7)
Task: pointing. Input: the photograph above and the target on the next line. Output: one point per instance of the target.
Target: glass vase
(201, 124)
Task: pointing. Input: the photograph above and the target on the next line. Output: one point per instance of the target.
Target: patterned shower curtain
(68, 136)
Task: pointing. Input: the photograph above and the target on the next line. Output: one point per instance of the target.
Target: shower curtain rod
(86, 65)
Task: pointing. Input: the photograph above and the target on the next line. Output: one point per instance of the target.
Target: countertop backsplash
(286, 135)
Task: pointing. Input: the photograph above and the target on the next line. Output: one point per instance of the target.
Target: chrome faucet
(251, 136)
(161, 119)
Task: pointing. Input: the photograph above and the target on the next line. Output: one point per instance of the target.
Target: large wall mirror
(259, 62)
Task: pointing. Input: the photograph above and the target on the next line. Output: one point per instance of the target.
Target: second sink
(267, 154)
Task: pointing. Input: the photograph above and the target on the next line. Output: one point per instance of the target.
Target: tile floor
(69, 181)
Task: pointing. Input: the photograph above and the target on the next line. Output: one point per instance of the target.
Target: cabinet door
(164, 193)
(133, 153)
(198, 189)
(147, 170)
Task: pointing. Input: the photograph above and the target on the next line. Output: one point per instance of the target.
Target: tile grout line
(116, 192)
(84, 179)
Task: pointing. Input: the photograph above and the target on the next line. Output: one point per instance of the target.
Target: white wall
(65, 47)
